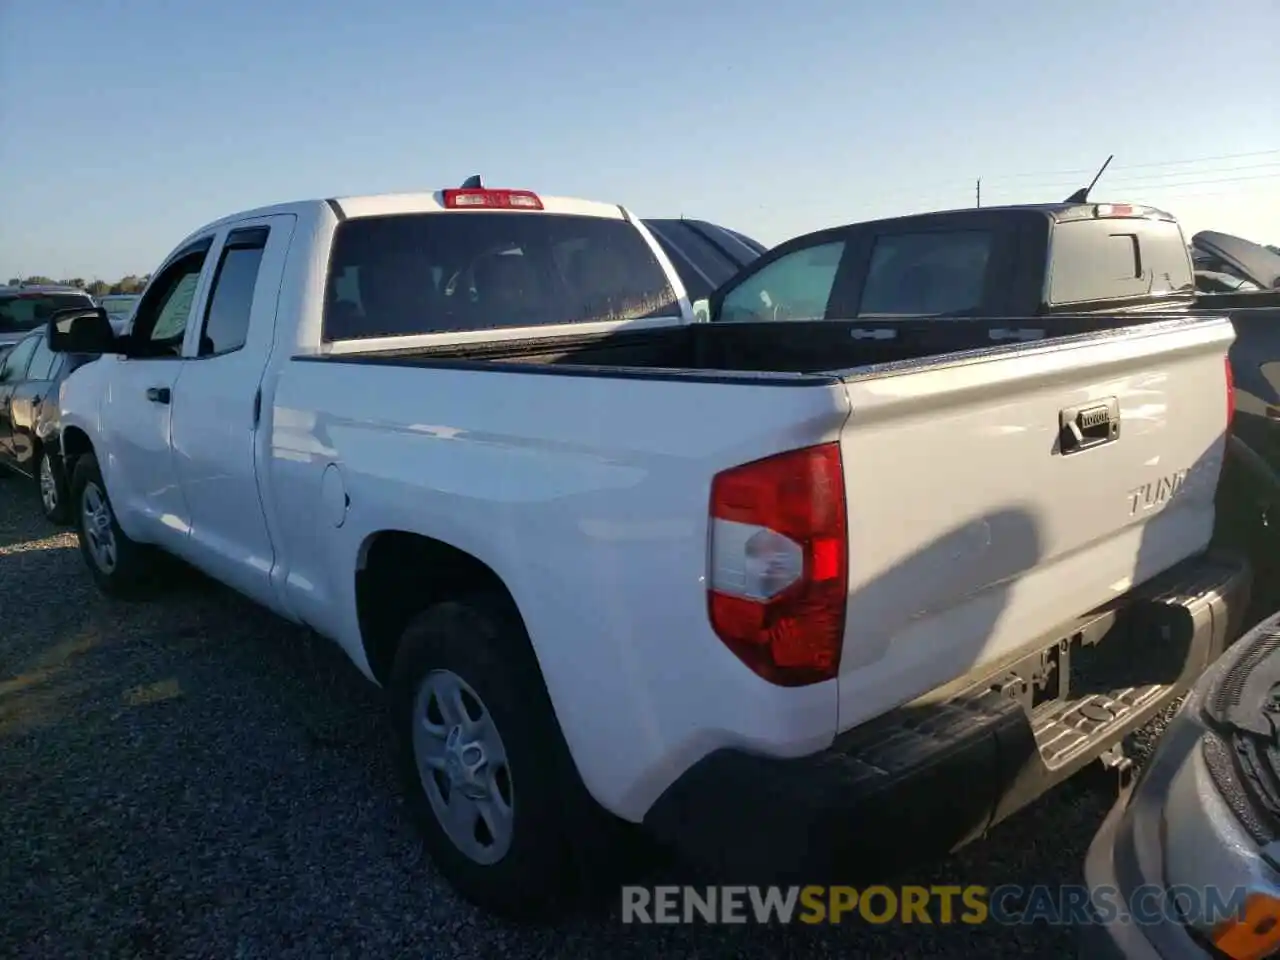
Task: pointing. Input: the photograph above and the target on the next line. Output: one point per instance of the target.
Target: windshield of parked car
(20, 312)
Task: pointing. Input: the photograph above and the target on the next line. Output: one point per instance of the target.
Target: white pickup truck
(796, 598)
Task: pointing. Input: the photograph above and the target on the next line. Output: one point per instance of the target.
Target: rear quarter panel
(588, 496)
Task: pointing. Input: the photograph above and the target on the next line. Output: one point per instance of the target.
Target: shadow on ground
(190, 776)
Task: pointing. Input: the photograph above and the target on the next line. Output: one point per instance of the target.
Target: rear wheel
(51, 481)
(121, 567)
(486, 771)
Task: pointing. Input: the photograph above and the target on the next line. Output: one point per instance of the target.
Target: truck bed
(801, 350)
(972, 528)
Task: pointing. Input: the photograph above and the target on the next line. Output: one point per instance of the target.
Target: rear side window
(1109, 259)
(927, 273)
(226, 322)
(17, 360)
(702, 267)
(42, 361)
(26, 311)
(483, 270)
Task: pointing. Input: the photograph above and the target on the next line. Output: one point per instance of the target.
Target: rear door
(217, 406)
(948, 265)
(977, 523)
(28, 397)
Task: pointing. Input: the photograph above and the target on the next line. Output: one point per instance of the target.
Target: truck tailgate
(979, 519)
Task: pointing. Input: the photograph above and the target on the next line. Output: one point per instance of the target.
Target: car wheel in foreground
(485, 767)
(120, 566)
(52, 483)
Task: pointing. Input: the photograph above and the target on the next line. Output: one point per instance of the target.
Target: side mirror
(82, 330)
(702, 311)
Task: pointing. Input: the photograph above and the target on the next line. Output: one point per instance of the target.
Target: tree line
(132, 283)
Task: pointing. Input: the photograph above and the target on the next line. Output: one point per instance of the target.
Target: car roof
(1055, 212)
(41, 288)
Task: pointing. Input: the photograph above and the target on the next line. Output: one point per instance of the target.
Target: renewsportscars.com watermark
(971, 904)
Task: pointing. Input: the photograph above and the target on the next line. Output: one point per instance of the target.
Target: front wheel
(121, 567)
(52, 483)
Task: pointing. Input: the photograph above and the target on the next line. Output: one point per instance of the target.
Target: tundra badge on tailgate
(1157, 492)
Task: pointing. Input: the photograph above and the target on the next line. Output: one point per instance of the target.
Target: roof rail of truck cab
(460, 199)
(1109, 211)
(389, 204)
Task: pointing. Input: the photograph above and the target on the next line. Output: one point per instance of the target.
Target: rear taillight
(492, 199)
(1231, 394)
(779, 564)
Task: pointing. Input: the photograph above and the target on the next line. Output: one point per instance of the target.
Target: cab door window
(796, 286)
(160, 323)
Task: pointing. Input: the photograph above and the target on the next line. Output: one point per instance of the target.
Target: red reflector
(826, 558)
(1231, 393)
(492, 199)
(779, 564)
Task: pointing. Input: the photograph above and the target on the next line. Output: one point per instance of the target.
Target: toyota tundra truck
(798, 602)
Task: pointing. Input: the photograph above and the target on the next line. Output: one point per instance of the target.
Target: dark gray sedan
(30, 376)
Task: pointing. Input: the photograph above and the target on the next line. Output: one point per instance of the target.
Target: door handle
(1080, 428)
(158, 394)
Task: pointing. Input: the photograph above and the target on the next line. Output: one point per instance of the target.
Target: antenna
(1082, 195)
(472, 183)
(979, 192)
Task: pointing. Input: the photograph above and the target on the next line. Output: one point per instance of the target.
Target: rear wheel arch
(399, 574)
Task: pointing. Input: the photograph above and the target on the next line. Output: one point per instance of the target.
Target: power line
(1148, 166)
(1131, 188)
(1000, 185)
(1049, 179)
(1141, 181)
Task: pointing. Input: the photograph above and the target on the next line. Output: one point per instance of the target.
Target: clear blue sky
(125, 125)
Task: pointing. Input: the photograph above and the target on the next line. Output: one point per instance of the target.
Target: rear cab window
(448, 272)
(1116, 258)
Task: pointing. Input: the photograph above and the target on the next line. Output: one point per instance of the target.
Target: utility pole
(979, 191)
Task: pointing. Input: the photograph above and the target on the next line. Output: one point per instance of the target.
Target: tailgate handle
(1080, 428)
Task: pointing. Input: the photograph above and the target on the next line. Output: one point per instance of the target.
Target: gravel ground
(192, 777)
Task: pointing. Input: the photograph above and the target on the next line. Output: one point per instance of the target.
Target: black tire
(481, 640)
(59, 512)
(133, 574)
